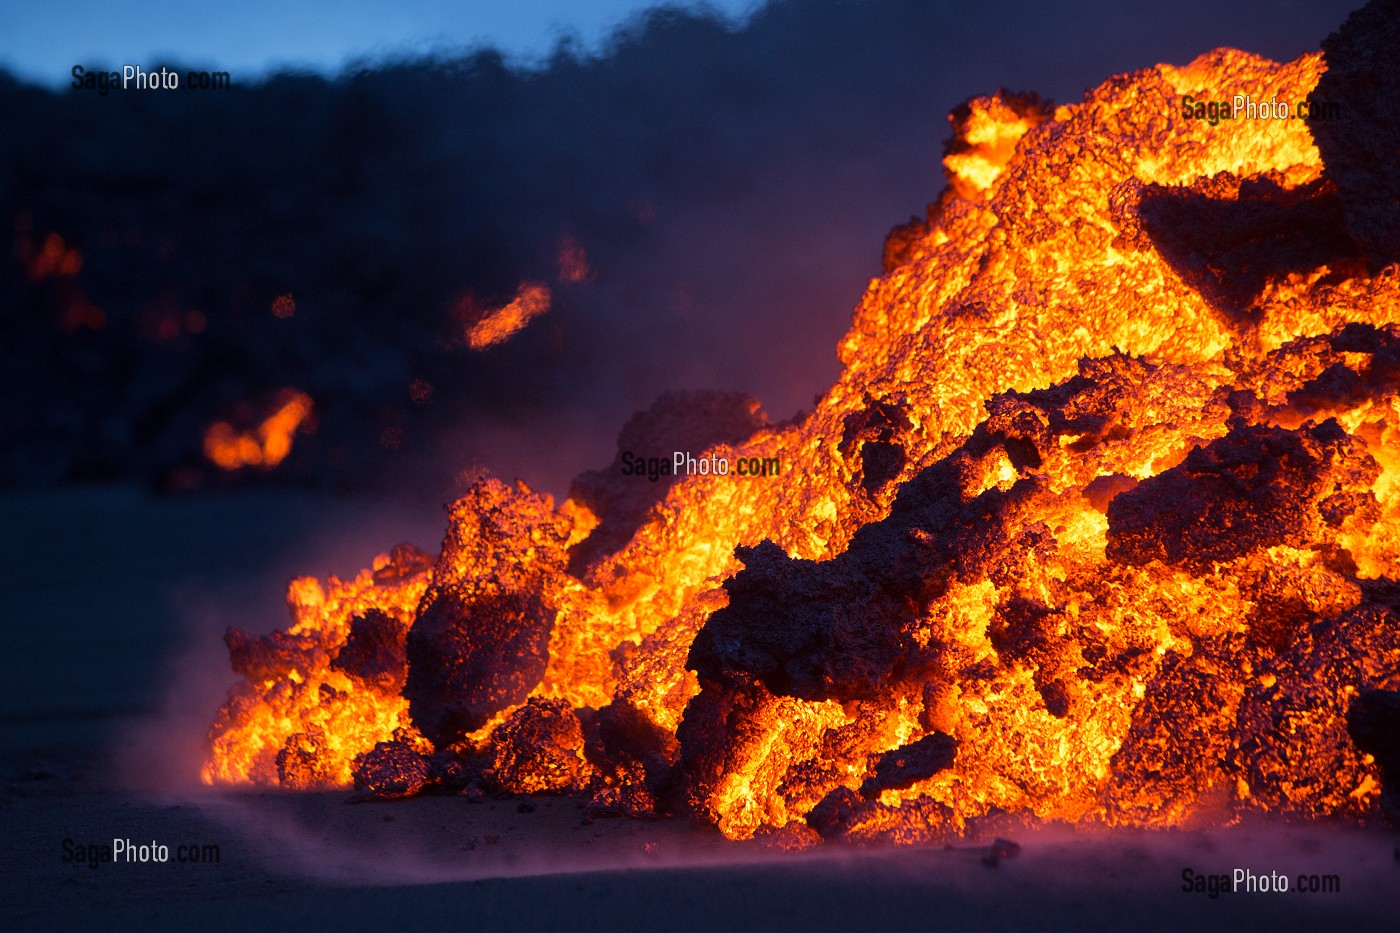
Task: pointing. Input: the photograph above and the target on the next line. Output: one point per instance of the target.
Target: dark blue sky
(42, 41)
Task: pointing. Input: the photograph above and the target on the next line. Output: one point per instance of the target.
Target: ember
(497, 326)
(573, 262)
(265, 446)
(1098, 524)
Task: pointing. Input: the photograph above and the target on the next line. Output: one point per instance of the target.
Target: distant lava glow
(267, 444)
(531, 300)
(1098, 524)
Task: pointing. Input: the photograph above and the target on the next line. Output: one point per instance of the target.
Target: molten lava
(268, 444)
(531, 300)
(1098, 524)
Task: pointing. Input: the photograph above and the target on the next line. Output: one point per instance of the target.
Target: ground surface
(112, 603)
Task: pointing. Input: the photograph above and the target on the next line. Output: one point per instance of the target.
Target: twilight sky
(42, 41)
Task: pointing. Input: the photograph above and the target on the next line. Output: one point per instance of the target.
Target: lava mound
(1098, 524)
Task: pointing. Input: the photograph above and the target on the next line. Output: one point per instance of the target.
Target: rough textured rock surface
(684, 421)
(1360, 141)
(389, 770)
(840, 629)
(1230, 236)
(481, 640)
(907, 765)
(258, 657)
(538, 749)
(1257, 487)
(845, 815)
(302, 765)
(1374, 723)
(375, 651)
(1106, 499)
(1293, 747)
(1172, 764)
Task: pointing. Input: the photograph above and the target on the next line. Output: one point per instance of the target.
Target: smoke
(729, 186)
(1108, 873)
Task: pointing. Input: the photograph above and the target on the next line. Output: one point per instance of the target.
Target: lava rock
(792, 836)
(907, 765)
(1257, 487)
(1173, 757)
(539, 749)
(1373, 720)
(374, 652)
(1230, 236)
(986, 131)
(876, 432)
(902, 242)
(473, 655)
(480, 642)
(1293, 747)
(840, 749)
(836, 811)
(1374, 723)
(276, 654)
(632, 800)
(808, 630)
(1359, 137)
(689, 421)
(846, 815)
(302, 764)
(405, 562)
(1289, 599)
(390, 770)
(841, 629)
(626, 736)
(455, 767)
(1022, 630)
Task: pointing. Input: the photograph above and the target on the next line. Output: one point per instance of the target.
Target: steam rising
(729, 187)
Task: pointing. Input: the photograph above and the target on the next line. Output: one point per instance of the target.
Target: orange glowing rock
(538, 749)
(985, 133)
(480, 642)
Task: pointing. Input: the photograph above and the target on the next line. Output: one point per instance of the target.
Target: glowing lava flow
(1097, 524)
